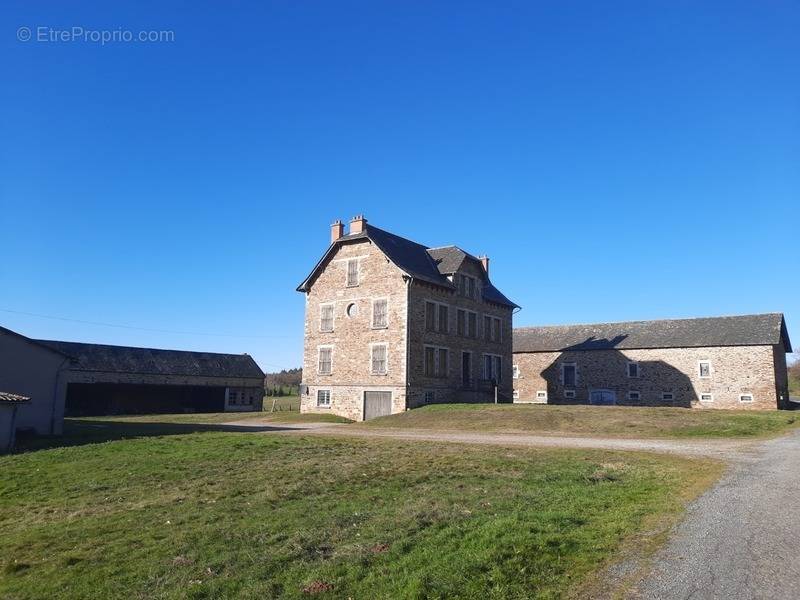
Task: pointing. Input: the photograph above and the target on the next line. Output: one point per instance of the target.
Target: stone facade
(666, 376)
(405, 335)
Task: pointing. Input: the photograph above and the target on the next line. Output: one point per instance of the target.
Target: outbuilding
(9, 403)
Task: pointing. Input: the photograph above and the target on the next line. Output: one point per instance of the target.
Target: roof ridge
(140, 347)
(650, 320)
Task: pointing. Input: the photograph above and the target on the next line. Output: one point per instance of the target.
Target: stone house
(736, 362)
(391, 324)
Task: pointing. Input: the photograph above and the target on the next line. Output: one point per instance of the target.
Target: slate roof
(152, 361)
(431, 265)
(12, 398)
(744, 330)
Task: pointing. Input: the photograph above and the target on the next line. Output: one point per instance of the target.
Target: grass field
(209, 514)
(604, 421)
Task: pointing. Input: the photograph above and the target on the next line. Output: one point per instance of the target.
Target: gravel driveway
(741, 538)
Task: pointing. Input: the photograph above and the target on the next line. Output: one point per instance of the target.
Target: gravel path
(741, 538)
(708, 448)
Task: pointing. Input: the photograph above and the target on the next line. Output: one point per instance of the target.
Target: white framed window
(326, 315)
(430, 396)
(706, 397)
(668, 396)
(746, 398)
(380, 313)
(569, 374)
(515, 395)
(352, 310)
(704, 369)
(379, 360)
(633, 369)
(635, 396)
(569, 393)
(515, 372)
(323, 398)
(541, 395)
(325, 362)
(352, 272)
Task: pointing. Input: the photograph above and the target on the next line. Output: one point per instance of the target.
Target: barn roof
(128, 359)
(12, 398)
(743, 330)
(431, 265)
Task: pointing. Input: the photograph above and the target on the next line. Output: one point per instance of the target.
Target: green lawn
(608, 421)
(198, 513)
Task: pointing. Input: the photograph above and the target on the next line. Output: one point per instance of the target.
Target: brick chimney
(337, 230)
(485, 262)
(357, 224)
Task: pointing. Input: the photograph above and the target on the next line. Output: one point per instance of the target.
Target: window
(352, 272)
(352, 310)
(471, 288)
(568, 374)
(379, 352)
(461, 317)
(380, 313)
(705, 368)
(706, 398)
(430, 397)
(634, 396)
(325, 360)
(430, 316)
(441, 367)
(430, 361)
(323, 397)
(541, 395)
(668, 396)
(487, 328)
(515, 372)
(326, 317)
(497, 330)
(492, 367)
(745, 397)
(515, 395)
(233, 397)
(466, 286)
(436, 361)
(569, 393)
(633, 369)
(443, 324)
(472, 330)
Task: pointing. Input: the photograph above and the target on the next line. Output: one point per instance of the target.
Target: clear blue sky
(619, 161)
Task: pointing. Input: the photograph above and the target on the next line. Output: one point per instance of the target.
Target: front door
(377, 404)
(603, 397)
(466, 369)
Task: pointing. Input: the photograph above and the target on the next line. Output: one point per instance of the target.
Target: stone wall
(352, 336)
(734, 371)
(449, 388)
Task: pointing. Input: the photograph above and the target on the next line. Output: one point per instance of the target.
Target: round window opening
(352, 310)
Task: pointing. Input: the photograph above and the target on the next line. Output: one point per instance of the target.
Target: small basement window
(541, 395)
(634, 396)
(745, 398)
(515, 372)
(569, 393)
(323, 398)
(430, 397)
(515, 395)
(668, 396)
(706, 398)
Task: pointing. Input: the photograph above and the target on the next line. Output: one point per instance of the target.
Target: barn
(80, 379)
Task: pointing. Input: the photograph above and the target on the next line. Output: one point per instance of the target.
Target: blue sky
(616, 161)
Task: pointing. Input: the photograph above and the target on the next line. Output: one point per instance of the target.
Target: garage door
(377, 404)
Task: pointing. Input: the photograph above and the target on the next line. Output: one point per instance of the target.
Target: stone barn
(736, 362)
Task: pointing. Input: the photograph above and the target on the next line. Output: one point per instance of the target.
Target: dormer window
(467, 286)
(352, 272)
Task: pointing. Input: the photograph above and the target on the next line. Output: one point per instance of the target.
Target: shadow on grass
(79, 432)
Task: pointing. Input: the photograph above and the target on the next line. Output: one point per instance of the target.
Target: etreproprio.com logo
(54, 35)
